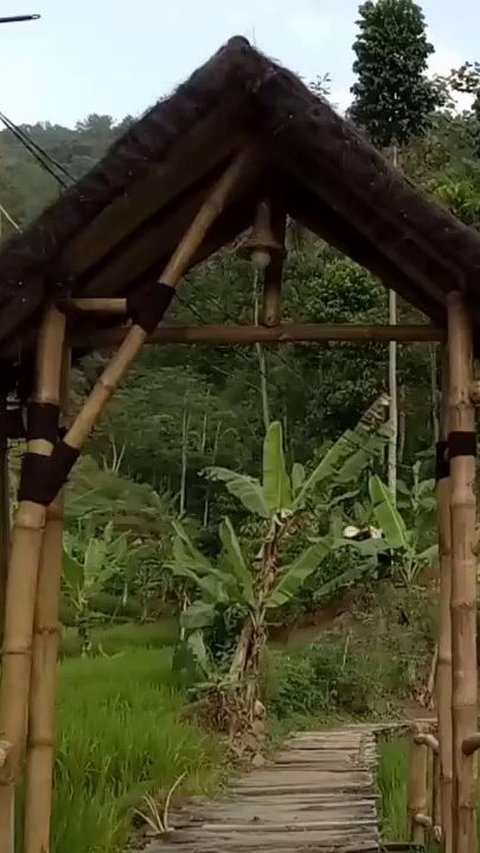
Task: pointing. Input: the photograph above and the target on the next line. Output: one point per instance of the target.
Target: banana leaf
(276, 482)
(247, 489)
(236, 561)
(387, 515)
(295, 574)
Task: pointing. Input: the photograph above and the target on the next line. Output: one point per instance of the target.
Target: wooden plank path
(318, 795)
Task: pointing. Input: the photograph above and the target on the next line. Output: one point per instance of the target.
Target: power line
(17, 19)
(41, 156)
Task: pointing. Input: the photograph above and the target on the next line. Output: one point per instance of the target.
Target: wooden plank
(316, 799)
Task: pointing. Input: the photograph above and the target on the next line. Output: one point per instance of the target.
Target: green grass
(113, 639)
(392, 786)
(122, 735)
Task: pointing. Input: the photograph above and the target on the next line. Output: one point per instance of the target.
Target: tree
(393, 101)
(393, 98)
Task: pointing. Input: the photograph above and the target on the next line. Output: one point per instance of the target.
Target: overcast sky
(119, 56)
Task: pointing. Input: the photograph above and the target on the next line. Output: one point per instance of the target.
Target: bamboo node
(427, 740)
(471, 744)
(5, 747)
(422, 820)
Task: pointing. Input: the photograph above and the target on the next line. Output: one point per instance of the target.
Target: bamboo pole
(417, 790)
(4, 511)
(21, 588)
(437, 800)
(444, 667)
(217, 335)
(463, 512)
(136, 336)
(272, 282)
(46, 633)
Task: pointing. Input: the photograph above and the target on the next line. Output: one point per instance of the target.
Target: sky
(117, 57)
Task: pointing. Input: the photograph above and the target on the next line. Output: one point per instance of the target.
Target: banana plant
(265, 583)
(89, 562)
(404, 543)
(279, 494)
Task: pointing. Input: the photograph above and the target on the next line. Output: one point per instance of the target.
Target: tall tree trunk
(206, 506)
(183, 477)
(402, 422)
(392, 382)
(262, 364)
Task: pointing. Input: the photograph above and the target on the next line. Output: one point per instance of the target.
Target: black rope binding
(147, 305)
(442, 461)
(462, 444)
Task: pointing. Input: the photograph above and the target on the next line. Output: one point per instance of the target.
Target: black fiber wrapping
(42, 477)
(442, 462)
(42, 421)
(462, 444)
(147, 304)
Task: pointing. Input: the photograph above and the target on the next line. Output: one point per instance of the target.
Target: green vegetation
(123, 735)
(392, 786)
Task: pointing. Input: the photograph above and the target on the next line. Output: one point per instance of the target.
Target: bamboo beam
(417, 790)
(444, 668)
(46, 635)
(21, 588)
(221, 335)
(463, 512)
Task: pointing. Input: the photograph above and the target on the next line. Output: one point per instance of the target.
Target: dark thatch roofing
(118, 225)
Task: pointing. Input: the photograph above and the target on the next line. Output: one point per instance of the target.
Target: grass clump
(122, 736)
(393, 755)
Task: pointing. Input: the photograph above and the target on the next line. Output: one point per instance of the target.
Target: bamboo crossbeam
(306, 333)
(464, 576)
(96, 305)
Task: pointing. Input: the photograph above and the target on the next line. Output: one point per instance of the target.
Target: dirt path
(318, 795)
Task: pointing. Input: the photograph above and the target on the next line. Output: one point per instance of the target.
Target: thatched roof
(117, 226)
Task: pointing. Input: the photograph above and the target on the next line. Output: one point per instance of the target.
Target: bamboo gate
(27, 695)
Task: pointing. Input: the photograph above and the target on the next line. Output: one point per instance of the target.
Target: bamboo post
(436, 800)
(4, 510)
(462, 453)
(417, 790)
(46, 632)
(22, 586)
(444, 668)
